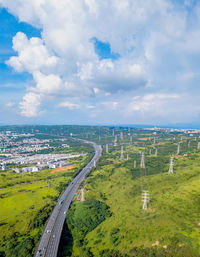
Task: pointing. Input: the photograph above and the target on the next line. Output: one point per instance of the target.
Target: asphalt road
(49, 241)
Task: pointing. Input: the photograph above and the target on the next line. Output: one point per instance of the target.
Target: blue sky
(91, 62)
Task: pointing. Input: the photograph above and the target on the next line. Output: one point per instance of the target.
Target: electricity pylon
(188, 143)
(154, 140)
(131, 139)
(94, 163)
(134, 165)
(142, 163)
(198, 145)
(82, 195)
(122, 153)
(49, 182)
(121, 135)
(145, 199)
(178, 149)
(149, 151)
(127, 157)
(106, 148)
(113, 132)
(115, 141)
(156, 152)
(171, 164)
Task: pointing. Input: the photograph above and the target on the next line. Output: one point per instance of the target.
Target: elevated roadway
(50, 239)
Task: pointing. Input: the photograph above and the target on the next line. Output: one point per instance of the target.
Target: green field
(26, 202)
(169, 227)
(111, 222)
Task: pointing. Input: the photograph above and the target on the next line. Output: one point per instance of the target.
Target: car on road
(48, 231)
(61, 202)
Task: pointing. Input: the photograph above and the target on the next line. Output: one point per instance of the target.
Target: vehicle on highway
(61, 202)
(48, 231)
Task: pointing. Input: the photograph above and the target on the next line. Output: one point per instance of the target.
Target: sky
(100, 62)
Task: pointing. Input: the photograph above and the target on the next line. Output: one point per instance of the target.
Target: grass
(172, 217)
(23, 197)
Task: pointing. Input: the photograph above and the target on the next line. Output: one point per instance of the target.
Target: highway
(49, 241)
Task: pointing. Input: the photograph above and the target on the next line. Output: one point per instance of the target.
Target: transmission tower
(154, 140)
(149, 151)
(178, 149)
(145, 199)
(171, 164)
(82, 195)
(127, 157)
(49, 182)
(156, 152)
(106, 148)
(115, 141)
(198, 145)
(131, 139)
(94, 163)
(121, 135)
(188, 143)
(122, 153)
(113, 132)
(142, 163)
(134, 165)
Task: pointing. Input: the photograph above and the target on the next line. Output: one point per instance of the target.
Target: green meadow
(25, 204)
(169, 227)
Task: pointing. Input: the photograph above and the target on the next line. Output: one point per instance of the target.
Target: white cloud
(150, 102)
(10, 104)
(32, 55)
(30, 105)
(69, 105)
(156, 42)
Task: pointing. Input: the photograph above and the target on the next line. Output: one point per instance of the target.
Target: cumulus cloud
(69, 105)
(155, 41)
(30, 105)
(32, 55)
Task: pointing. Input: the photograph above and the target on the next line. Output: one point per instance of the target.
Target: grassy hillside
(170, 226)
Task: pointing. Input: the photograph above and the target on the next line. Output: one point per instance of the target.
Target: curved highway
(49, 241)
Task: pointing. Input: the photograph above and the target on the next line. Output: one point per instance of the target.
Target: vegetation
(27, 200)
(111, 222)
(170, 225)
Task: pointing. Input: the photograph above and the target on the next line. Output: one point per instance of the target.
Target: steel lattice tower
(142, 163)
(198, 145)
(135, 163)
(106, 148)
(122, 153)
(121, 135)
(178, 149)
(115, 141)
(171, 164)
(156, 152)
(145, 199)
